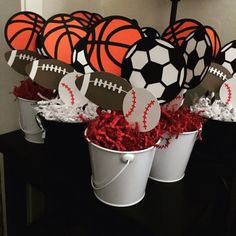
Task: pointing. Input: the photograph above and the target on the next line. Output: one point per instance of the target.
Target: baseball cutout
(141, 107)
(68, 91)
(228, 92)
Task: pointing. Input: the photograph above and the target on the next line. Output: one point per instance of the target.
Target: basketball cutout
(180, 30)
(22, 29)
(59, 36)
(108, 41)
(156, 65)
(214, 39)
(87, 19)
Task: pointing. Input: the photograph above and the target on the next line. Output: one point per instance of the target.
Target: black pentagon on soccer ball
(150, 32)
(152, 72)
(193, 59)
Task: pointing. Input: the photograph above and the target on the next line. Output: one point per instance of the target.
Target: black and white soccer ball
(149, 32)
(79, 61)
(227, 57)
(39, 46)
(197, 52)
(156, 65)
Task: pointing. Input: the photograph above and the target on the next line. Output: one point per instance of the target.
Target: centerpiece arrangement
(125, 94)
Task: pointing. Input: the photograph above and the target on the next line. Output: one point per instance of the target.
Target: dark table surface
(196, 205)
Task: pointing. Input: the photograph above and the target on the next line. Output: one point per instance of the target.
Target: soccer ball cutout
(156, 65)
(149, 32)
(198, 54)
(79, 61)
(227, 57)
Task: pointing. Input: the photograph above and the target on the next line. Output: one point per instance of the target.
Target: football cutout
(68, 91)
(142, 108)
(156, 65)
(18, 59)
(228, 92)
(104, 89)
(215, 77)
(48, 72)
(198, 54)
(227, 57)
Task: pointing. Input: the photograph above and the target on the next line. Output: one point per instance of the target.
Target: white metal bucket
(169, 164)
(120, 178)
(27, 121)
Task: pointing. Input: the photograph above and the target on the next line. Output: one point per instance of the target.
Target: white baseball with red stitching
(228, 92)
(69, 93)
(141, 107)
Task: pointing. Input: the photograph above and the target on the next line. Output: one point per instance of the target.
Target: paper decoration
(60, 34)
(215, 77)
(176, 103)
(141, 107)
(68, 91)
(214, 40)
(108, 41)
(227, 57)
(180, 30)
(22, 29)
(228, 92)
(79, 61)
(198, 54)
(104, 89)
(48, 72)
(156, 65)
(18, 59)
(149, 32)
(87, 19)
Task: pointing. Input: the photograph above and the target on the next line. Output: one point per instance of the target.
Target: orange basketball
(180, 30)
(59, 36)
(87, 19)
(108, 42)
(214, 39)
(22, 29)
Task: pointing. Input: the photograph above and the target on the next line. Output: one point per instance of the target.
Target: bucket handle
(25, 131)
(127, 158)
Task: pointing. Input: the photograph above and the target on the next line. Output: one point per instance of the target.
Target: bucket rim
(191, 132)
(116, 151)
(28, 100)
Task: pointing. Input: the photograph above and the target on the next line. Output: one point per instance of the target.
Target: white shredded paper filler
(216, 110)
(56, 110)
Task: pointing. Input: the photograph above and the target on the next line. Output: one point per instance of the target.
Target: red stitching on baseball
(133, 105)
(70, 92)
(147, 108)
(165, 145)
(229, 93)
